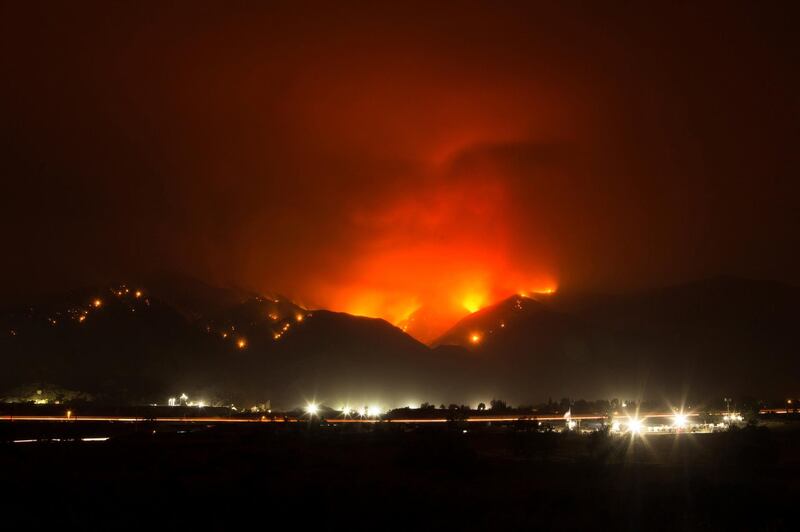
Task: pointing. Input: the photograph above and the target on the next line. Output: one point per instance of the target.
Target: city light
(373, 411)
(312, 409)
(679, 421)
(138, 294)
(475, 338)
(635, 426)
(298, 318)
(97, 303)
(241, 343)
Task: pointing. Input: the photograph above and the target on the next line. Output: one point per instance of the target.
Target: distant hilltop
(143, 341)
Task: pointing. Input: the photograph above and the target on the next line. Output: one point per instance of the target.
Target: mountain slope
(129, 344)
(708, 339)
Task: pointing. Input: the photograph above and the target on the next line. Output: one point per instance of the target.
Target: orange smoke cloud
(436, 255)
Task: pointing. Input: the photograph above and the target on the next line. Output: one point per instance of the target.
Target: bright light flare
(679, 421)
(373, 411)
(635, 426)
(312, 409)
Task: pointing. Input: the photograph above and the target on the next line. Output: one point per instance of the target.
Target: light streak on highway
(73, 418)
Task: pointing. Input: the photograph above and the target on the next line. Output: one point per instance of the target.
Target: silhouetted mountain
(337, 357)
(138, 343)
(701, 339)
(127, 343)
(721, 335)
(526, 346)
(118, 342)
(193, 297)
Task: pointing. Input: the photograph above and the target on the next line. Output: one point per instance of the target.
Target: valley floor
(428, 478)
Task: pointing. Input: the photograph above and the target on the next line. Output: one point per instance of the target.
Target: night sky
(377, 159)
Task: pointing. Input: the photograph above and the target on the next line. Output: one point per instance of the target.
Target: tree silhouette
(498, 404)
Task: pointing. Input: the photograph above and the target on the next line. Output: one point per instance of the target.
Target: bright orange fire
(446, 212)
(545, 291)
(474, 302)
(431, 259)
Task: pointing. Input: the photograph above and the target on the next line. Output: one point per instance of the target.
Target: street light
(635, 426)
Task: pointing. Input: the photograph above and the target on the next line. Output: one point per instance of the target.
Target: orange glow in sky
(444, 212)
(405, 167)
(426, 260)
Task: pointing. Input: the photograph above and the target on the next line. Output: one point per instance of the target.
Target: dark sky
(376, 159)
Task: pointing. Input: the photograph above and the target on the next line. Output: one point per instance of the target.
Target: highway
(337, 420)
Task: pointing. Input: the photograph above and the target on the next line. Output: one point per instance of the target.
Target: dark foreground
(400, 477)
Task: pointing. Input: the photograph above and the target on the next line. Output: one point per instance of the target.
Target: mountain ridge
(135, 345)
